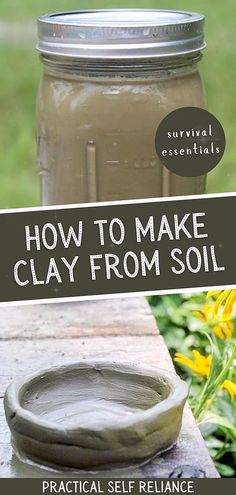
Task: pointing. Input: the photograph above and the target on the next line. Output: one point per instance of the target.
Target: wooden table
(38, 336)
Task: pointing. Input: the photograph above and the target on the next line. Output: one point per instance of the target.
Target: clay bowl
(95, 415)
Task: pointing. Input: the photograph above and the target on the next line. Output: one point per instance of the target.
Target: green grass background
(20, 72)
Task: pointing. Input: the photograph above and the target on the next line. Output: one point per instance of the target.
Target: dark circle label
(190, 141)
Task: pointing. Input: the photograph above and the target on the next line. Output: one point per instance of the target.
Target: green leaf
(225, 470)
(214, 443)
(207, 428)
(216, 419)
(227, 408)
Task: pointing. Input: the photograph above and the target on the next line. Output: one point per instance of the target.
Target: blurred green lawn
(20, 72)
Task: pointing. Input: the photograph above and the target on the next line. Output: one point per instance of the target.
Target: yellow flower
(222, 329)
(224, 304)
(230, 387)
(200, 364)
(206, 314)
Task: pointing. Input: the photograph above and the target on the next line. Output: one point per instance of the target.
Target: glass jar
(110, 77)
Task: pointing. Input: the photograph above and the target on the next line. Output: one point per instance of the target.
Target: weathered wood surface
(127, 317)
(36, 337)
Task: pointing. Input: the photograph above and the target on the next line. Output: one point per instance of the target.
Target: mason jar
(109, 79)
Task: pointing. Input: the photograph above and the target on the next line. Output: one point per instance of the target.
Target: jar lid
(121, 34)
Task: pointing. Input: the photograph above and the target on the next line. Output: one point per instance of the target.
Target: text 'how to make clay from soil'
(148, 246)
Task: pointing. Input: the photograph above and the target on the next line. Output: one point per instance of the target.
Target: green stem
(212, 389)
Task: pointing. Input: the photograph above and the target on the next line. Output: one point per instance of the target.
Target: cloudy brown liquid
(96, 138)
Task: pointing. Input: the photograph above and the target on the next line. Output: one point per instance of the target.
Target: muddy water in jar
(96, 133)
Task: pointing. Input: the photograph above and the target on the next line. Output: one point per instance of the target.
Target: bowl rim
(18, 415)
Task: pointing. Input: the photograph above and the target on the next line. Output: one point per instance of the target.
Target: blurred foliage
(20, 73)
(18, 177)
(174, 314)
(183, 332)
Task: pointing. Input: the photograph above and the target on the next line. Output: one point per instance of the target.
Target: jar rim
(121, 34)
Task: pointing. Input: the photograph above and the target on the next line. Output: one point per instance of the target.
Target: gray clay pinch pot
(95, 415)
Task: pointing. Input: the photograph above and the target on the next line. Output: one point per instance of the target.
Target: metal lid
(121, 34)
